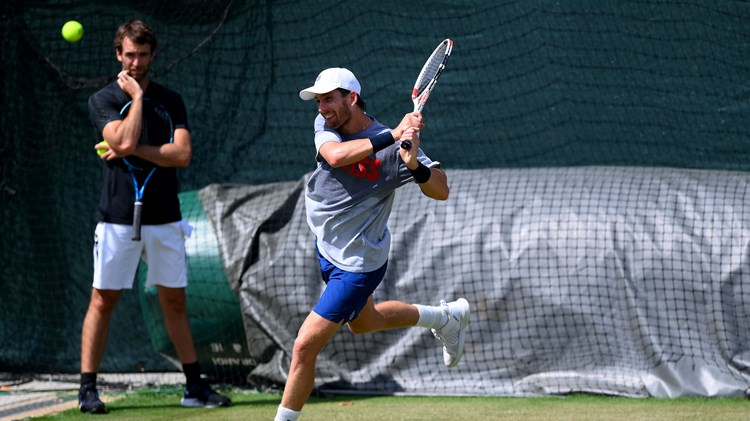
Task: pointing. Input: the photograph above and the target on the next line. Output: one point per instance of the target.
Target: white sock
(431, 317)
(283, 414)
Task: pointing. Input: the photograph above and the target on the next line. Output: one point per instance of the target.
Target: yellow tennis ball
(100, 152)
(72, 31)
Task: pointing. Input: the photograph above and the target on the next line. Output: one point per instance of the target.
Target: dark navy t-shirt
(160, 201)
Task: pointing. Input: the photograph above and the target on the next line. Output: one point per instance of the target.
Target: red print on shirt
(367, 168)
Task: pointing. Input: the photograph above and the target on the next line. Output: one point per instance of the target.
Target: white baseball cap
(329, 80)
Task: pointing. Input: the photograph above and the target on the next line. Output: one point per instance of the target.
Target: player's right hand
(128, 84)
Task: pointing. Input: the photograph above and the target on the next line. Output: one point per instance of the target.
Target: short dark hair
(136, 30)
(360, 102)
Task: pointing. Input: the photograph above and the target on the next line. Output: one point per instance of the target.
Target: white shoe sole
(464, 322)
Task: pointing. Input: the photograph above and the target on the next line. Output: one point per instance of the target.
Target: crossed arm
(123, 136)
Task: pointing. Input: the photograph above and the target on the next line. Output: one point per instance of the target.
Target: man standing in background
(143, 137)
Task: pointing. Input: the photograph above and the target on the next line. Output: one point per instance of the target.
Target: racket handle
(406, 145)
(137, 208)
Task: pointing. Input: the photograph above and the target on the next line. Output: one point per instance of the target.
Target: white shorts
(162, 247)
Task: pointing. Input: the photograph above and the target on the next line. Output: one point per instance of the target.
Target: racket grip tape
(137, 209)
(406, 145)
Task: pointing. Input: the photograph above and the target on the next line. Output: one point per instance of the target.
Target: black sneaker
(88, 400)
(201, 394)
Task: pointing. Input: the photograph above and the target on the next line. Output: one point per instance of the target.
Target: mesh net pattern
(530, 85)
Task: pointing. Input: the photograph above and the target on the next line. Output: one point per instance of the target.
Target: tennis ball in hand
(72, 31)
(100, 152)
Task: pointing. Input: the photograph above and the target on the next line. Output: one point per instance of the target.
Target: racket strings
(432, 68)
(153, 112)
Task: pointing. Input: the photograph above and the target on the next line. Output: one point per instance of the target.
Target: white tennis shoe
(453, 333)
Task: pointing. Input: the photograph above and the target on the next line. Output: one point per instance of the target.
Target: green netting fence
(530, 84)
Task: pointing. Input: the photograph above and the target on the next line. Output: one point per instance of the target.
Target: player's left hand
(413, 119)
(410, 156)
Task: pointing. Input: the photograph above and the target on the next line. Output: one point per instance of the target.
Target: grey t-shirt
(348, 207)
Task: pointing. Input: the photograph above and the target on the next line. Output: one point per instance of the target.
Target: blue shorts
(346, 293)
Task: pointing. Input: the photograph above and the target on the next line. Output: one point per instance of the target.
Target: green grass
(163, 404)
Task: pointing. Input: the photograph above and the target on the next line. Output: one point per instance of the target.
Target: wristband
(382, 141)
(421, 174)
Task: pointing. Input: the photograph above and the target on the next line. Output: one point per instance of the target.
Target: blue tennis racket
(154, 113)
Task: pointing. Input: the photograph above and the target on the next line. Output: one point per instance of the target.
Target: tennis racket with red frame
(428, 77)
